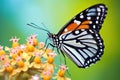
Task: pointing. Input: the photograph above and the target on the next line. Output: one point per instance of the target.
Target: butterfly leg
(63, 55)
(64, 60)
(49, 44)
(59, 55)
(44, 47)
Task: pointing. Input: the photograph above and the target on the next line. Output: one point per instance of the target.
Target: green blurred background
(15, 14)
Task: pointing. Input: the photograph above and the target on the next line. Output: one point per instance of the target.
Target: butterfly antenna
(44, 25)
(37, 27)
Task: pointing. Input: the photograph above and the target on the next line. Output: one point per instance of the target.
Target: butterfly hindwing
(82, 46)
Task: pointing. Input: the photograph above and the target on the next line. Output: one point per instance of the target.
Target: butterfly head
(53, 38)
(50, 35)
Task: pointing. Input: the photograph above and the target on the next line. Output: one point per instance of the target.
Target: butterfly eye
(49, 35)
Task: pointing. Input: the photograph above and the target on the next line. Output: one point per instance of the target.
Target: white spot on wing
(98, 9)
(91, 31)
(99, 14)
(96, 22)
(98, 56)
(90, 22)
(96, 34)
(90, 60)
(103, 9)
(77, 22)
(102, 6)
(81, 13)
(89, 18)
(94, 26)
(101, 50)
(94, 60)
(101, 18)
(82, 29)
(98, 37)
(97, 18)
(66, 30)
(100, 43)
(76, 32)
(81, 16)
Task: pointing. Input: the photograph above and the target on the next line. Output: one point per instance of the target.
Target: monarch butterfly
(79, 39)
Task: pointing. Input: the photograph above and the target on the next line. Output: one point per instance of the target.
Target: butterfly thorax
(54, 38)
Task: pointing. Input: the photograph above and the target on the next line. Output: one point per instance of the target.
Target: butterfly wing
(80, 37)
(84, 46)
(91, 18)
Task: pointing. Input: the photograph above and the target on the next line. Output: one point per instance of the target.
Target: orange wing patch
(84, 25)
(73, 26)
(86, 22)
(70, 27)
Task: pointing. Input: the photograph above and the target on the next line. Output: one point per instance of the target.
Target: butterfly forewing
(90, 18)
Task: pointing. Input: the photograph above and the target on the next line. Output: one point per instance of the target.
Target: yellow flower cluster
(30, 61)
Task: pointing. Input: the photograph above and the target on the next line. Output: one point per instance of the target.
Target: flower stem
(6, 76)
